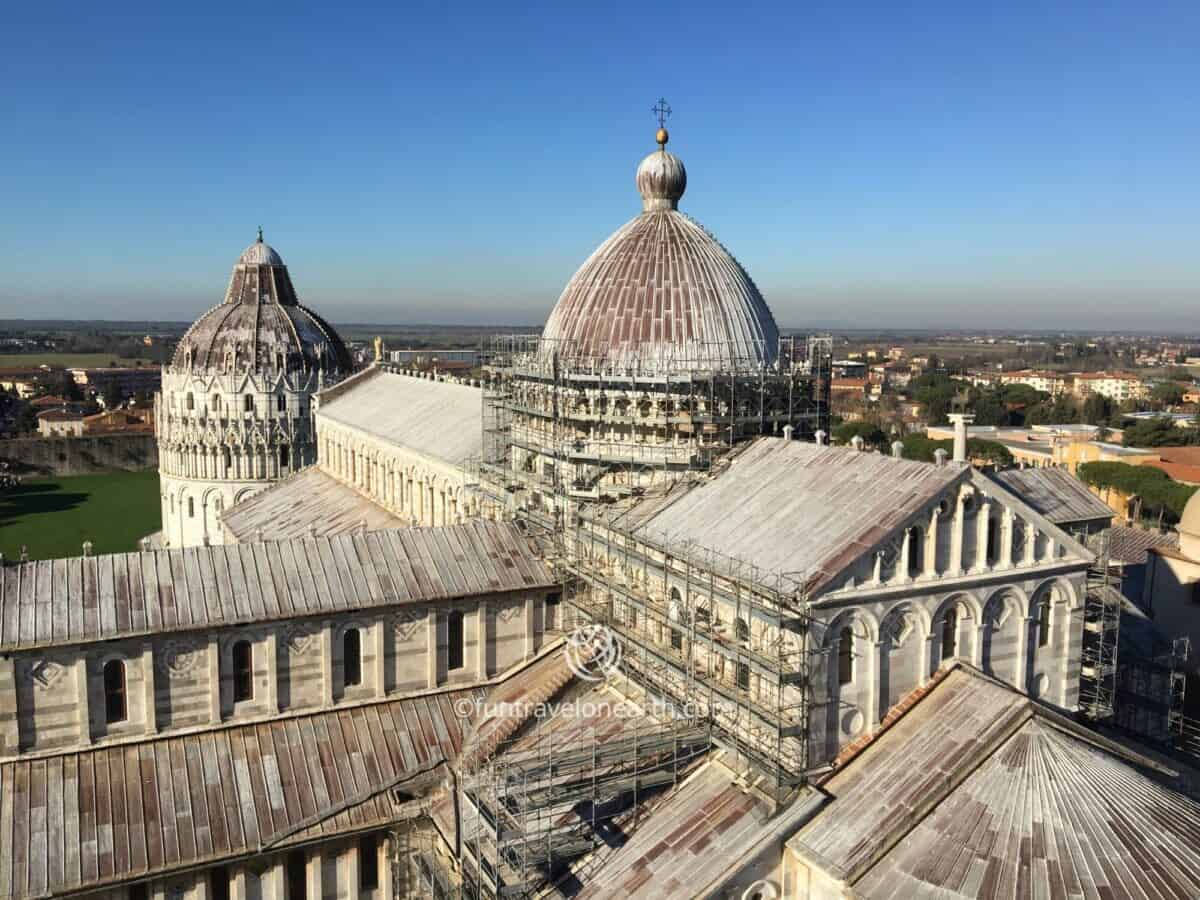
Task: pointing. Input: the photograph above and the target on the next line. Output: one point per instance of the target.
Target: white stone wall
(55, 699)
(894, 616)
(331, 871)
(420, 489)
(223, 438)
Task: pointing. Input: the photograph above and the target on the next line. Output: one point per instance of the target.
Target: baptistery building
(235, 410)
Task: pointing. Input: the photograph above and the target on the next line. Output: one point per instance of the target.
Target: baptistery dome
(661, 294)
(261, 326)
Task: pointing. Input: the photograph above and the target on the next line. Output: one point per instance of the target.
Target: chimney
(939, 456)
(787, 432)
(897, 450)
(961, 421)
(857, 442)
(820, 436)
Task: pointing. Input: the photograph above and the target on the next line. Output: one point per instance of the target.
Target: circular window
(852, 722)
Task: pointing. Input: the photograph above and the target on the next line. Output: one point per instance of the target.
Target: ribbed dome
(661, 293)
(261, 326)
(1189, 527)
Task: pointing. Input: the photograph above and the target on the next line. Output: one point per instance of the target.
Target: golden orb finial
(662, 136)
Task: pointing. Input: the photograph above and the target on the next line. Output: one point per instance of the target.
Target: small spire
(260, 240)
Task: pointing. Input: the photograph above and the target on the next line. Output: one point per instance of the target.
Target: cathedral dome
(661, 293)
(1189, 528)
(261, 326)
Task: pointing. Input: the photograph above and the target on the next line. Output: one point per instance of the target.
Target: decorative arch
(902, 652)
(1065, 591)
(861, 621)
(851, 681)
(953, 628)
(1004, 617)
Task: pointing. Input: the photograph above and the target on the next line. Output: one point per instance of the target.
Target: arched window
(351, 657)
(741, 630)
(191, 401)
(845, 656)
(227, 459)
(284, 456)
(916, 551)
(1043, 621)
(950, 633)
(216, 401)
(243, 671)
(248, 403)
(993, 541)
(454, 640)
(281, 402)
(675, 618)
(115, 709)
(191, 508)
(368, 863)
(743, 676)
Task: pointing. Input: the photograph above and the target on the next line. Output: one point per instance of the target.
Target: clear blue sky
(933, 164)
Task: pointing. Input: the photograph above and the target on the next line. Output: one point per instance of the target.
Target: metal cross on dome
(662, 110)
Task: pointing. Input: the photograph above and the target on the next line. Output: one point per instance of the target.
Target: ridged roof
(261, 325)
(978, 792)
(95, 598)
(661, 293)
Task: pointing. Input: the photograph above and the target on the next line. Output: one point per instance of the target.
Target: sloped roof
(310, 503)
(438, 419)
(87, 818)
(689, 843)
(66, 601)
(802, 509)
(977, 791)
(1132, 545)
(1055, 493)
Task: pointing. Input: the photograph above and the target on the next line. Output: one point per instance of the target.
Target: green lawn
(54, 516)
(66, 360)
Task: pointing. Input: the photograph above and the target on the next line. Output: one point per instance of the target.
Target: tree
(1159, 431)
(935, 392)
(871, 434)
(920, 447)
(70, 390)
(26, 420)
(1097, 409)
(1157, 491)
(113, 395)
(1167, 393)
(989, 408)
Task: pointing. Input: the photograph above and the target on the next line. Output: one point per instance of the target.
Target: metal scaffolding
(570, 441)
(1101, 633)
(562, 426)
(705, 633)
(549, 798)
